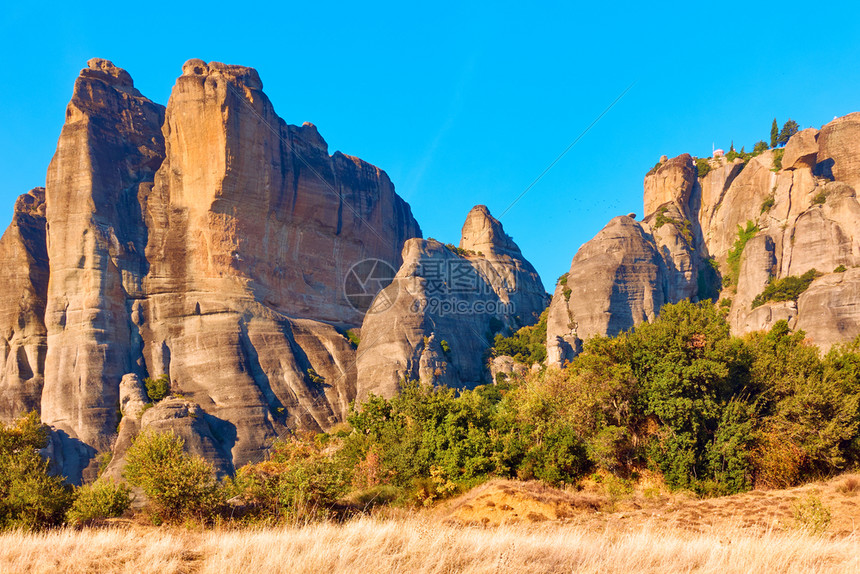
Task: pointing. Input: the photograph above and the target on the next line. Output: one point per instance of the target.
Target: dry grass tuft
(849, 485)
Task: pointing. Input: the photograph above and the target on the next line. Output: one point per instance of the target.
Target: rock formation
(24, 281)
(801, 206)
(208, 241)
(437, 319)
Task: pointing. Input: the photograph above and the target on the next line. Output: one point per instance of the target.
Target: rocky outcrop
(437, 319)
(208, 241)
(673, 181)
(802, 214)
(24, 281)
(616, 280)
(838, 150)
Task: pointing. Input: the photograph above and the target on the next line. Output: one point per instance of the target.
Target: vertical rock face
(839, 150)
(672, 182)
(24, 281)
(437, 319)
(109, 150)
(615, 281)
(208, 241)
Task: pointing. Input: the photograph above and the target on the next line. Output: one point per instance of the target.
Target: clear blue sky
(463, 104)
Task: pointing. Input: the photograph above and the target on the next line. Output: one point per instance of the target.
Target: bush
(785, 289)
(733, 260)
(767, 204)
(840, 269)
(157, 388)
(353, 338)
(99, 500)
(777, 159)
(528, 345)
(299, 481)
(760, 147)
(29, 497)
(820, 198)
(703, 166)
(177, 485)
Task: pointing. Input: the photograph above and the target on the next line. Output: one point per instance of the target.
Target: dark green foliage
(703, 166)
(789, 128)
(840, 269)
(98, 500)
(820, 198)
(774, 134)
(459, 250)
(315, 377)
(767, 204)
(562, 280)
(528, 345)
(785, 289)
(29, 497)
(157, 388)
(733, 260)
(760, 147)
(177, 485)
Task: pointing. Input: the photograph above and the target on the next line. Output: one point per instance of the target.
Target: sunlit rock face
(801, 205)
(208, 241)
(437, 319)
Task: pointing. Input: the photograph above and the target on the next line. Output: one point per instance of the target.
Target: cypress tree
(774, 134)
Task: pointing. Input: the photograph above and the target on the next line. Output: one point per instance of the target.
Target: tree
(774, 134)
(788, 129)
(760, 147)
(178, 485)
(29, 496)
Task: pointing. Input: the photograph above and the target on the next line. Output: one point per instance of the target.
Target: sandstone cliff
(208, 241)
(437, 319)
(24, 281)
(800, 208)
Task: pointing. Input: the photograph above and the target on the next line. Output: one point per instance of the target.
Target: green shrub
(29, 497)
(98, 500)
(811, 514)
(767, 204)
(733, 260)
(819, 198)
(528, 345)
(446, 347)
(299, 481)
(703, 167)
(353, 338)
(760, 147)
(157, 388)
(840, 269)
(562, 280)
(785, 289)
(315, 377)
(177, 485)
(777, 159)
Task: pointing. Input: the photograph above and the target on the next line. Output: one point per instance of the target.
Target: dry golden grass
(540, 529)
(419, 544)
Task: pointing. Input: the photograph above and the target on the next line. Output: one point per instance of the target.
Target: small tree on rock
(774, 134)
(788, 129)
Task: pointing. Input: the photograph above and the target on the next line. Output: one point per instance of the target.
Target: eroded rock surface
(207, 241)
(436, 321)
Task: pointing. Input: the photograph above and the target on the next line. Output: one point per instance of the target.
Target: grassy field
(415, 545)
(501, 526)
